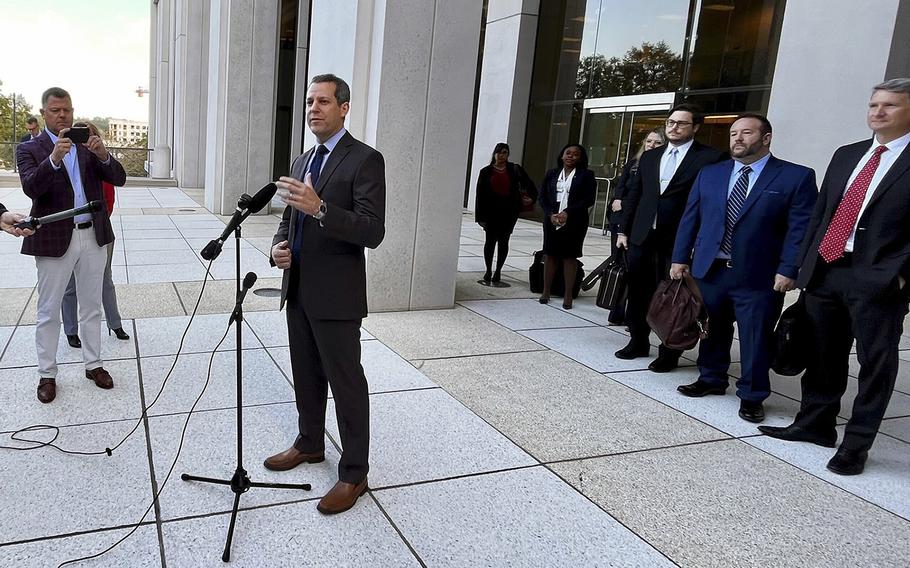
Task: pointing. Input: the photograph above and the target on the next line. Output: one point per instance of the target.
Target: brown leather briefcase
(677, 313)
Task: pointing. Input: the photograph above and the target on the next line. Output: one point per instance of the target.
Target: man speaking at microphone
(59, 174)
(336, 207)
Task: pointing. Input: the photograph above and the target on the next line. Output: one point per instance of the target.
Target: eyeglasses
(679, 123)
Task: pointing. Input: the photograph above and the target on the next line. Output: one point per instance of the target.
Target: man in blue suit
(743, 225)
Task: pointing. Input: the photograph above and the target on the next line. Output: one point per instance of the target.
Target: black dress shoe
(848, 462)
(751, 411)
(794, 433)
(122, 335)
(487, 277)
(633, 351)
(700, 388)
(497, 277)
(664, 364)
(74, 342)
(544, 299)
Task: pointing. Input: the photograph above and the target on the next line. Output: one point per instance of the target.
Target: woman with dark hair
(503, 190)
(565, 196)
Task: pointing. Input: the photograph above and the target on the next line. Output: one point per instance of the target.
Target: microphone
(35, 222)
(248, 282)
(246, 206)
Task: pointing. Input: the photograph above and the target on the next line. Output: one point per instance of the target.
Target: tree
(12, 107)
(650, 68)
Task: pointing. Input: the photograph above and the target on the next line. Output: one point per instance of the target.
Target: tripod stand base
(240, 483)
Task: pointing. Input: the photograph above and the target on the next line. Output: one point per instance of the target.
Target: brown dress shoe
(291, 458)
(341, 497)
(101, 377)
(47, 390)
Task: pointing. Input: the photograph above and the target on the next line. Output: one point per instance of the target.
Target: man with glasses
(59, 174)
(651, 211)
(31, 124)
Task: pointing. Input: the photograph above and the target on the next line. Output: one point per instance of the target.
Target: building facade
(123, 132)
(437, 83)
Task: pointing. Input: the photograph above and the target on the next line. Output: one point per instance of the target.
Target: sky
(98, 50)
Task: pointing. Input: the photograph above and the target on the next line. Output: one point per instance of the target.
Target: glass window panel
(638, 47)
(735, 43)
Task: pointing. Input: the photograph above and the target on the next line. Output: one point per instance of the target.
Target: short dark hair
(765, 123)
(31, 120)
(698, 116)
(342, 90)
(500, 146)
(55, 92)
(582, 162)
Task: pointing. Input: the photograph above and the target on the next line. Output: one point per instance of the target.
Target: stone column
(505, 82)
(161, 118)
(243, 47)
(831, 53)
(420, 86)
(191, 88)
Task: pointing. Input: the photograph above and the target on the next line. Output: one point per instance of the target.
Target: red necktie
(835, 239)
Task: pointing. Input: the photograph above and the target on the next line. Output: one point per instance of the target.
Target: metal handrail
(605, 228)
(118, 151)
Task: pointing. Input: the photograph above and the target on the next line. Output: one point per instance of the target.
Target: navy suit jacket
(770, 229)
(51, 192)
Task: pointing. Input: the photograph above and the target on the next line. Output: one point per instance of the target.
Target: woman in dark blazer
(565, 196)
(654, 139)
(503, 190)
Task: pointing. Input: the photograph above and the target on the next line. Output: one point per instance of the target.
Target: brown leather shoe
(47, 390)
(341, 497)
(101, 377)
(291, 458)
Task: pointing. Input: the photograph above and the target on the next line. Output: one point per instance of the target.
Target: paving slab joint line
(397, 530)
(832, 484)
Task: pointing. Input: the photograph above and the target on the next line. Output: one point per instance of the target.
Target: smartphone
(78, 134)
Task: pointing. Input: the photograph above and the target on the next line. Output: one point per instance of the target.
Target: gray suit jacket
(330, 275)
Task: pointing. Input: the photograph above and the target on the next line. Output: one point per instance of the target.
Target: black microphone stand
(240, 482)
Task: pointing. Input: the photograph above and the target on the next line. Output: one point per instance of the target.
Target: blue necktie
(734, 206)
(314, 170)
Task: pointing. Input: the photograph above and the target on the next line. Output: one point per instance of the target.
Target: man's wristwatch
(321, 213)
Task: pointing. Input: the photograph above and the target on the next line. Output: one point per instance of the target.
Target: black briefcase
(792, 340)
(612, 277)
(558, 287)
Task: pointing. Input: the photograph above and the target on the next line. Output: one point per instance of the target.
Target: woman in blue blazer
(566, 195)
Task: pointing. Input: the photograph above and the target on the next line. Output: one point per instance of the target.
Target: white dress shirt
(563, 186)
(895, 147)
(680, 154)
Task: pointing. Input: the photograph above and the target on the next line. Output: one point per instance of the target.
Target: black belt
(722, 263)
(86, 225)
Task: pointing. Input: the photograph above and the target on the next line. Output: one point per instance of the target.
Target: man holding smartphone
(63, 169)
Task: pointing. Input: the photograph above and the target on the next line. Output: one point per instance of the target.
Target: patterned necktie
(314, 171)
(734, 206)
(835, 240)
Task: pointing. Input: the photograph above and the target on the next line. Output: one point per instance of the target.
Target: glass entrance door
(612, 134)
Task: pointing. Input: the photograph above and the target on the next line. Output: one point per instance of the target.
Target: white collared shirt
(563, 186)
(680, 154)
(895, 147)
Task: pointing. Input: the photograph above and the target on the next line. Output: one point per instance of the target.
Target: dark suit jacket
(26, 138)
(52, 192)
(3, 209)
(643, 199)
(330, 277)
(881, 248)
(489, 207)
(581, 195)
(770, 229)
